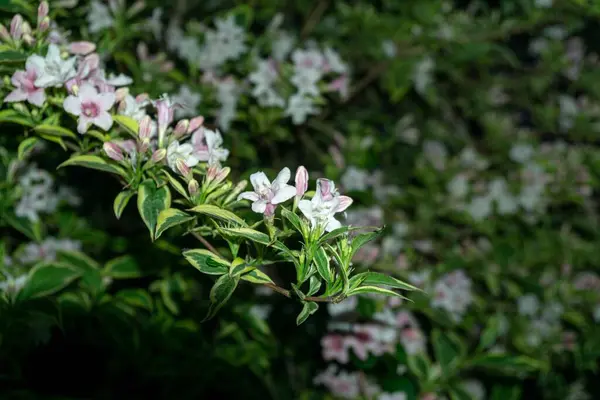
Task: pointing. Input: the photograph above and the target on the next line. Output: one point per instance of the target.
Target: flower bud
(44, 25)
(181, 128)
(215, 174)
(4, 35)
(145, 129)
(92, 61)
(195, 123)
(136, 8)
(113, 151)
(120, 95)
(183, 168)
(82, 48)
(193, 187)
(43, 10)
(25, 28)
(159, 155)
(28, 39)
(144, 145)
(301, 181)
(140, 98)
(16, 27)
(20, 107)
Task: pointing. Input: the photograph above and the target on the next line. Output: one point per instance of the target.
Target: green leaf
(243, 15)
(248, 233)
(11, 56)
(309, 308)
(294, 220)
(78, 260)
(360, 240)
(26, 147)
(507, 364)
(176, 184)
(219, 213)
(419, 365)
(239, 267)
(54, 130)
(342, 230)
(490, 332)
(206, 262)
(121, 202)
(124, 267)
(93, 162)
(15, 118)
(47, 279)
(30, 229)
(459, 393)
(314, 284)
(374, 289)
(257, 276)
(377, 278)
(137, 298)
(322, 263)
(129, 124)
(448, 350)
(169, 218)
(151, 201)
(504, 392)
(220, 293)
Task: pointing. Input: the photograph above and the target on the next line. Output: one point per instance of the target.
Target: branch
(206, 243)
(288, 294)
(314, 17)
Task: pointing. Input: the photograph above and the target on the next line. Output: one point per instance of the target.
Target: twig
(288, 294)
(206, 243)
(314, 17)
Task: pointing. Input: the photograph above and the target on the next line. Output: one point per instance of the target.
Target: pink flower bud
(120, 95)
(44, 25)
(324, 187)
(82, 48)
(216, 174)
(113, 151)
(140, 98)
(92, 61)
(43, 10)
(301, 181)
(145, 129)
(72, 86)
(183, 168)
(16, 27)
(159, 155)
(193, 187)
(195, 123)
(4, 35)
(181, 128)
(25, 28)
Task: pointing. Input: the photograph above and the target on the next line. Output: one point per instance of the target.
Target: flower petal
(344, 202)
(283, 194)
(259, 180)
(83, 124)
(16, 95)
(106, 100)
(248, 196)
(259, 206)
(283, 177)
(103, 120)
(36, 63)
(87, 93)
(72, 105)
(306, 207)
(37, 98)
(332, 224)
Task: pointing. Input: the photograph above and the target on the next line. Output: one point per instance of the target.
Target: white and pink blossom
(267, 195)
(25, 87)
(326, 202)
(91, 107)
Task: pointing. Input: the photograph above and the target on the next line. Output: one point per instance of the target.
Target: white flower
(133, 108)
(228, 92)
(263, 79)
(52, 70)
(389, 48)
(13, 285)
(436, 153)
(480, 207)
(299, 107)
(334, 61)
(521, 153)
(474, 388)
(188, 100)
(458, 187)
(528, 305)
(393, 396)
(91, 107)
(207, 146)
(423, 74)
(282, 45)
(154, 23)
(326, 202)
(37, 195)
(543, 3)
(184, 152)
(355, 179)
(99, 17)
(597, 314)
(267, 195)
(306, 80)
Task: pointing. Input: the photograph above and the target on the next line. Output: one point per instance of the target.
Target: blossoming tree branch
(60, 92)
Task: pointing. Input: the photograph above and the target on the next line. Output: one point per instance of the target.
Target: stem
(288, 294)
(206, 243)
(314, 17)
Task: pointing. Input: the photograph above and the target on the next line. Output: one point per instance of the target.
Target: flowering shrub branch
(175, 169)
